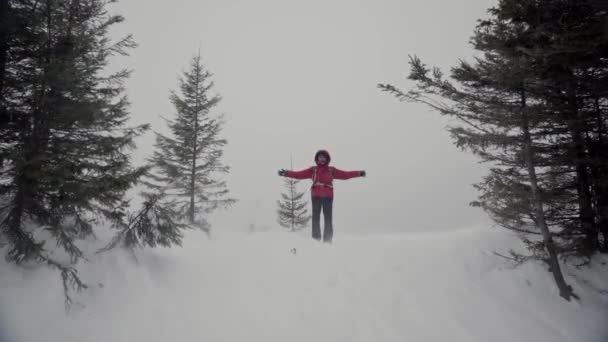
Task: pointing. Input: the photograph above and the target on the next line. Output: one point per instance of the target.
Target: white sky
(297, 76)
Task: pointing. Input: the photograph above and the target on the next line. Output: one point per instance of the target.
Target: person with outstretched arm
(322, 191)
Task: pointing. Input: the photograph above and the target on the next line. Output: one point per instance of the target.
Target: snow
(278, 286)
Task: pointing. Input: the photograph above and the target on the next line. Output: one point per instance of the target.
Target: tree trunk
(13, 228)
(192, 186)
(564, 290)
(599, 173)
(194, 145)
(602, 206)
(583, 183)
(22, 246)
(293, 205)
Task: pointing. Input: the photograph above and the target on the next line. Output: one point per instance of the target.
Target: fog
(298, 76)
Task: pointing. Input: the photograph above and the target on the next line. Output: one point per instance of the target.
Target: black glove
(362, 173)
(282, 173)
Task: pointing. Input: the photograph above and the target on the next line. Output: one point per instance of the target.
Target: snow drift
(277, 286)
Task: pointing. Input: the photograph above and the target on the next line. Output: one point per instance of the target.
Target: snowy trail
(418, 287)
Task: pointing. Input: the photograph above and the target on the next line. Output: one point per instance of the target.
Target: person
(322, 191)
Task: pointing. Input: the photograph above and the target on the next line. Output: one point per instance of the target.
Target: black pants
(325, 204)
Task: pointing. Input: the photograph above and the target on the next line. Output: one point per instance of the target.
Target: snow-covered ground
(275, 286)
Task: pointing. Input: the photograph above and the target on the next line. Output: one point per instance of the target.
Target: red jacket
(323, 186)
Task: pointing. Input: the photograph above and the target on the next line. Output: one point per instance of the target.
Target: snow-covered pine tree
(187, 165)
(292, 212)
(64, 144)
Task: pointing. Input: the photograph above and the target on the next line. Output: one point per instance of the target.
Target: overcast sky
(298, 76)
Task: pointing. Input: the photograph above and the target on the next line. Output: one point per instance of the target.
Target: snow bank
(276, 286)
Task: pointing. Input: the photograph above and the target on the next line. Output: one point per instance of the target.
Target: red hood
(325, 153)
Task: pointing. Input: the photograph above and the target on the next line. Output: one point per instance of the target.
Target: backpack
(314, 178)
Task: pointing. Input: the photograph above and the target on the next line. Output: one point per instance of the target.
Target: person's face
(322, 159)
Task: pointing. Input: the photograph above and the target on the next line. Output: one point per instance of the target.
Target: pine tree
(292, 212)
(187, 165)
(511, 120)
(64, 148)
(569, 45)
